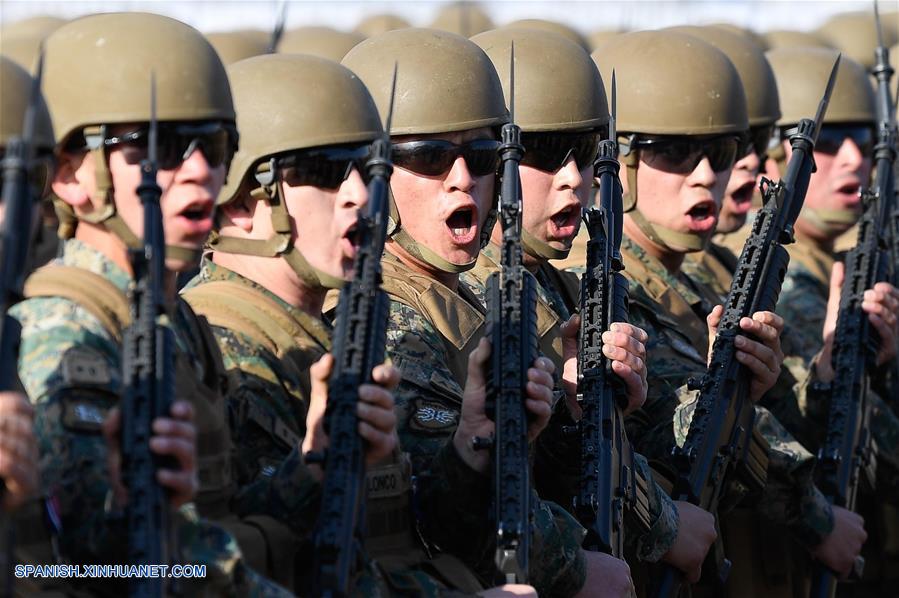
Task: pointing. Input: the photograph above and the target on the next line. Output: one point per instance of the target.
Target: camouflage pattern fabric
(672, 309)
(267, 401)
(556, 469)
(70, 406)
(452, 501)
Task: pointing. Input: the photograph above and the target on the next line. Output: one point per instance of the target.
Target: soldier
(678, 162)
(714, 265)
(556, 173)
(284, 237)
(449, 104)
(811, 290)
(72, 323)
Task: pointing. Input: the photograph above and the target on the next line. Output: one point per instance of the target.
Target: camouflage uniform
(268, 398)
(556, 467)
(69, 364)
(429, 337)
(712, 268)
(672, 309)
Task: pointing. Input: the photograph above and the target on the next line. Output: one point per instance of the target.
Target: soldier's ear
(239, 213)
(71, 179)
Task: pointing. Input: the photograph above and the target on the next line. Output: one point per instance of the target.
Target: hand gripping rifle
(148, 368)
(722, 440)
(848, 450)
(512, 329)
(609, 484)
(18, 203)
(359, 342)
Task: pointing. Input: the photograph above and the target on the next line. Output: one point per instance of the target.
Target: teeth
(459, 231)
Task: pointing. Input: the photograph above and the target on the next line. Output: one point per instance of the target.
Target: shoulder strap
(91, 291)
(236, 306)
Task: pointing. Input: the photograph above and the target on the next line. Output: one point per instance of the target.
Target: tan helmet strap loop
(667, 238)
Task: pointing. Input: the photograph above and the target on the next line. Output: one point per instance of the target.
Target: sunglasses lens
(481, 156)
(831, 139)
(326, 168)
(429, 157)
(722, 153)
(681, 156)
(175, 144)
(760, 139)
(549, 151)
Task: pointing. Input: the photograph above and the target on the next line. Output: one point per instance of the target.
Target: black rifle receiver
(148, 369)
(610, 487)
(512, 329)
(722, 440)
(359, 343)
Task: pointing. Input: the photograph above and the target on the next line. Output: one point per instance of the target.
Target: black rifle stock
(848, 451)
(610, 487)
(512, 329)
(722, 440)
(148, 368)
(359, 344)
(19, 205)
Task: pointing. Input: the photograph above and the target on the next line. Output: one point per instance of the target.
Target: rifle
(359, 342)
(148, 368)
(848, 449)
(722, 440)
(278, 30)
(609, 483)
(19, 205)
(512, 329)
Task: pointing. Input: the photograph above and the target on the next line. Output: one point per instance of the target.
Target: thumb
(477, 364)
(837, 274)
(321, 369)
(570, 330)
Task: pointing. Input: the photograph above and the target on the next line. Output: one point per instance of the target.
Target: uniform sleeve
(266, 424)
(451, 500)
(802, 306)
(70, 369)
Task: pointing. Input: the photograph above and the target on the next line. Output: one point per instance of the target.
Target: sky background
(586, 16)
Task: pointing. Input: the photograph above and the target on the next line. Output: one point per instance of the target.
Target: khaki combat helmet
(670, 83)
(16, 84)
(445, 83)
(21, 40)
(97, 73)
(553, 26)
(324, 42)
(286, 102)
(786, 38)
(802, 70)
(464, 18)
(855, 35)
(557, 88)
(233, 46)
(377, 24)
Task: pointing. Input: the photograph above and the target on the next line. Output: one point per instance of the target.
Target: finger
(15, 403)
(163, 426)
(570, 327)
(382, 419)
(760, 351)
(384, 442)
(545, 364)
(182, 410)
(111, 426)
(182, 450)
(759, 369)
(321, 369)
(714, 318)
(891, 295)
(182, 484)
(630, 330)
(620, 355)
(386, 375)
(540, 409)
(625, 341)
(837, 274)
(539, 392)
(632, 379)
(376, 396)
(540, 377)
(762, 331)
(880, 309)
(477, 362)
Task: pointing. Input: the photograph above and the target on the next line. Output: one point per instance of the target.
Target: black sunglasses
(177, 141)
(831, 138)
(757, 140)
(681, 155)
(550, 151)
(434, 157)
(324, 167)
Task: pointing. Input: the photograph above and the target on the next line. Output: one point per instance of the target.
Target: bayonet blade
(389, 121)
(151, 142)
(278, 30)
(822, 106)
(877, 26)
(33, 100)
(512, 82)
(613, 132)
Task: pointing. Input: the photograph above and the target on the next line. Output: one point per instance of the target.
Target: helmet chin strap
(667, 238)
(107, 215)
(537, 248)
(280, 243)
(419, 251)
(829, 222)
